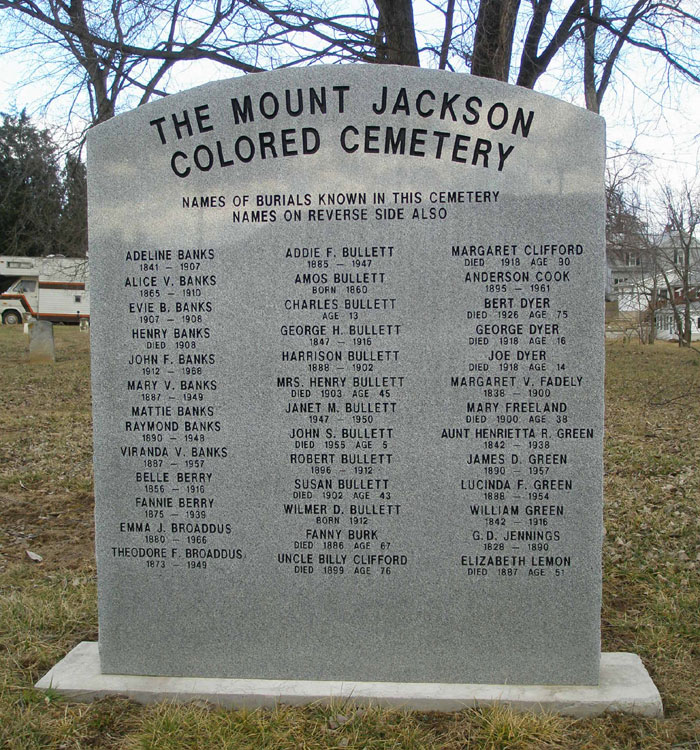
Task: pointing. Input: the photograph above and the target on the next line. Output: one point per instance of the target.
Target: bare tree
(679, 262)
(663, 28)
(655, 256)
(641, 247)
(493, 40)
(114, 47)
(396, 33)
(632, 258)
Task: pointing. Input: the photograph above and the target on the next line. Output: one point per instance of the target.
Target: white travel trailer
(52, 288)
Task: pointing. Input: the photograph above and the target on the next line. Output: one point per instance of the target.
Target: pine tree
(73, 224)
(31, 193)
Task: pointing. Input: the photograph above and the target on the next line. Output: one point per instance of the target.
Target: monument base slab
(625, 685)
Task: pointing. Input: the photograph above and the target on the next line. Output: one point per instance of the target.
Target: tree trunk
(447, 36)
(590, 27)
(397, 33)
(89, 58)
(686, 293)
(493, 43)
(653, 304)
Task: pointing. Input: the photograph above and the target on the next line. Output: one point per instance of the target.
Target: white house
(666, 327)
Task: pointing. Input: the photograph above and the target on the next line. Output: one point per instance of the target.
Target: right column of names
(520, 398)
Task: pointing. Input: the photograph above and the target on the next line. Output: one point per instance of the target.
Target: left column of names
(172, 445)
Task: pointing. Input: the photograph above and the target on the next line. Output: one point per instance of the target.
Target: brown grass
(651, 584)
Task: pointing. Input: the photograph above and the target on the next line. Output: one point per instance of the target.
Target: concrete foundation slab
(625, 685)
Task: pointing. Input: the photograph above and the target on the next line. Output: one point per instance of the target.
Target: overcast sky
(642, 111)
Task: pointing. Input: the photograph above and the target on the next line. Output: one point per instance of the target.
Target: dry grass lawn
(651, 584)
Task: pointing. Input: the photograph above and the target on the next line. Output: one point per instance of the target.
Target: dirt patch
(46, 500)
(59, 527)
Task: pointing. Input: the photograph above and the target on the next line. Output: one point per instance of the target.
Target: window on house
(78, 298)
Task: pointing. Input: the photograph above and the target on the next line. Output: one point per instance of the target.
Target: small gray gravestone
(41, 343)
(347, 336)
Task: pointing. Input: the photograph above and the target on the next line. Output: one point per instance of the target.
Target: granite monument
(347, 341)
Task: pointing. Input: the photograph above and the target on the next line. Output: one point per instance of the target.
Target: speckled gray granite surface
(347, 341)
